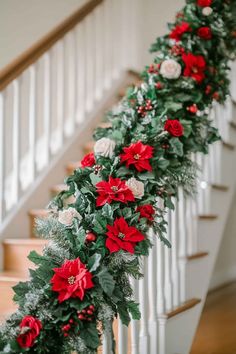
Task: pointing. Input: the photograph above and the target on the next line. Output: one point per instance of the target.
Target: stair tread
(11, 276)
(38, 212)
(24, 241)
(208, 216)
(228, 145)
(59, 187)
(183, 307)
(196, 255)
(221, 187)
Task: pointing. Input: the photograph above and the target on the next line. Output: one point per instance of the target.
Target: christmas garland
(81, 281)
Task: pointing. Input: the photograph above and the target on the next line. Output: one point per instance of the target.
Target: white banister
(47, 105)
(32, 120)
(16, 139)
(182, 244)
(60, 72)
(143, 294)
(122, 337)
(134, 325)
(2, 143)
(81, 73)
(168, 280)
(174, 254)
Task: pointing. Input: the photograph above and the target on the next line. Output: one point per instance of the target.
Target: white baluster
(16, 138)
(134, 324)
(174, 254)
(46, 105)
(108, 44)
(81, 73)
(60, 100)
(89, 23)
(182, 244)
(71, 85)
(160, 278)
(2, 160)
(99, 51)
(32, 120)
(167, 256)
(143, 340)
(122, 337)
(162, 336)
(152, 292)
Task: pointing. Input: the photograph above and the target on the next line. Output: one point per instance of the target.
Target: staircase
(176, 280)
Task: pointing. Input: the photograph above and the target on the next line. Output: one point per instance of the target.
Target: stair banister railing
(48, 93)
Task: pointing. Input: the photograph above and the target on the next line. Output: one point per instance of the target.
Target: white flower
(66, 216)
(104, 147)
(136, 187)
(170, 69)
(207, 11)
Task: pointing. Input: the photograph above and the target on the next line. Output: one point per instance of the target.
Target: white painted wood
(168, 281)
(90, 55)
(174, 255)
(99, 51)
(122, 337)
(152, 292)
(16, 138)
(32, 120)
(2, 162)
(143, 294)
(182, 243)
(46, 105)
(60, 90)
(81, 73)
(162, 336)
(134, 325)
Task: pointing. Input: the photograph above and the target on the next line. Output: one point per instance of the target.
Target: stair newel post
(90, 83)
(167, 256)
(182, 243)
(143, 296)
(122, 337)
(2, 152)
(81, 72)
(152, 293)
(174, 254)
(99, 51)
(47, 105)
(134, 325)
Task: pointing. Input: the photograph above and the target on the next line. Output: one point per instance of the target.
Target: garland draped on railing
(95, 243)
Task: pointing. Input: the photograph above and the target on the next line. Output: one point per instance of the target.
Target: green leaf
(169, 204)
(173, 106)
(95, 178)
(187, 127)
(163, 164)
(20, 290)
(37, 258)
(123, 312)
(133, 308)
(146, 176)
(99, 224)
(106, 281)
(94, 262)
(90, 336)
(177, 146)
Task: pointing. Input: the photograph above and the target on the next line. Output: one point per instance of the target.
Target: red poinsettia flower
(195, 66)
(71, 280)
(204, 3)
(30, 328)
(113, 190)
(174, 127)
(88, 160)
(179, 30)
(204, 32)
(121, 236)
(146, 211)
(138, 155)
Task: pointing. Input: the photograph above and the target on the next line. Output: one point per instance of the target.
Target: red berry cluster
(208, 89)
(159, 85)
(193, 108)
(153, 68)
(142, 110)
(90, 237)
(67, 327)
(177, 50)
(86, 314)
(165, 146)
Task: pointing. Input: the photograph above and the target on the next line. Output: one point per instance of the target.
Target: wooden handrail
(17, 66)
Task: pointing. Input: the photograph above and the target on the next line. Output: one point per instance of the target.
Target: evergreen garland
(81, 281)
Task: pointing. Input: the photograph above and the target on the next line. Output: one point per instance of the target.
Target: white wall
(225, 268)
(22, 22)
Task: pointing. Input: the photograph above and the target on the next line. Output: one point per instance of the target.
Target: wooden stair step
(16, 252)
(88, 147)
(228, 145)
(197, 255)
(207, 216)
(71, 167)
(220, 187)
(105, 125)
(187, 305)
(58, 188)
(33, 215)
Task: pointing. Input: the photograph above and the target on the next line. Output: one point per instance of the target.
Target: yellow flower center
(137, 156)
(71, 280)
(120, 235)
(114, 188)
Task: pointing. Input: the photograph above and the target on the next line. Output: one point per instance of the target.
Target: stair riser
(15, 257)
(6, 304)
